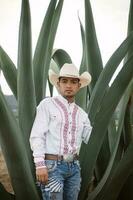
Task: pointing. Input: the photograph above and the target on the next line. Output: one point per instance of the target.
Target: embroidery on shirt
(73, 129)
(66, 126)
(60, 126)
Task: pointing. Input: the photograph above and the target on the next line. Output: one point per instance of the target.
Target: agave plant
(107, 158)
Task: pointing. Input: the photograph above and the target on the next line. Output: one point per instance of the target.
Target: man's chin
(69, 95)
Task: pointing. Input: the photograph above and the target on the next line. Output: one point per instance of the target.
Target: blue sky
(110, 17)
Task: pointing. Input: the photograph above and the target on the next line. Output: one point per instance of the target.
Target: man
(59, 128)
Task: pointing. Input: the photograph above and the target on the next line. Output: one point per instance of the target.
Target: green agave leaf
(41, 51)
(128, 123)
(26, 91)
(112, 135)
(130, 25)
(13, 147)
(120, 175)
(102, 84)
(44, 48)
(93, 55)
(131, 111)
(102, 159)
(9, 70)
(81, 97)
(61, 57)
(83, 66)
(99, 191)
(90, 152)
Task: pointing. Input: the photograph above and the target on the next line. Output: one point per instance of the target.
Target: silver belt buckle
(68, 157)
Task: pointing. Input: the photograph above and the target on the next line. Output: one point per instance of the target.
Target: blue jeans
(64, 180)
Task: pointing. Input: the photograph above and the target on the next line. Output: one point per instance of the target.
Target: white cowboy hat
(69, 70)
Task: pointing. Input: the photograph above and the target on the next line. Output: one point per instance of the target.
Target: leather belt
(67, 157)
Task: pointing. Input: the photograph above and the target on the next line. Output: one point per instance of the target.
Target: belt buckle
(68, 157)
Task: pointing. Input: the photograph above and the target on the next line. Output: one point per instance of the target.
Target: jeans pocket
(51, 165)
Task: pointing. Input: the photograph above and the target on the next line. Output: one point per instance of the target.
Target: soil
(4, 176)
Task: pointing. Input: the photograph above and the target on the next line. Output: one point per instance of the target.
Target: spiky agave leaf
(44, 48)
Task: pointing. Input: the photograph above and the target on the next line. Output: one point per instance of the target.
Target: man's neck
(70, 99)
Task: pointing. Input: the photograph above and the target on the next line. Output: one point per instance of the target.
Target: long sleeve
(38, 134)
(86, 131)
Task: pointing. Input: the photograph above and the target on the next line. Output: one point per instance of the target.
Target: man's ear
(79, 85)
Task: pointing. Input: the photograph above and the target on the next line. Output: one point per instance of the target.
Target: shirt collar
(63, 100)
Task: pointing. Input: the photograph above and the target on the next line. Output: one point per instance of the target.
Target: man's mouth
(68, 90)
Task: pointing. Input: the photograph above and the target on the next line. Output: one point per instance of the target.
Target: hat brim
(85, 78)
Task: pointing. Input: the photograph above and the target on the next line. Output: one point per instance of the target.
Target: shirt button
(70, 113)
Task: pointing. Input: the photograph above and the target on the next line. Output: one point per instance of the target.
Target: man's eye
(64, 81)
(75, 82)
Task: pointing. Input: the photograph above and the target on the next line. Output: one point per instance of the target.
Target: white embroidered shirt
(59, 128)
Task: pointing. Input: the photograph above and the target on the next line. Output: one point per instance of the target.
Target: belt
(66, 157)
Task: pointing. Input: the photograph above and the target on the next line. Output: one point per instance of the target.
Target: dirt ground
(4, 176)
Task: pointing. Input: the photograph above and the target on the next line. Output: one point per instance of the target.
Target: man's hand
(42, 175)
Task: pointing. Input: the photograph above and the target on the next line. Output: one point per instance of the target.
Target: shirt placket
(70, 127)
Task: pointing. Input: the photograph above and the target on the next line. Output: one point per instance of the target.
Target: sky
(110, 17)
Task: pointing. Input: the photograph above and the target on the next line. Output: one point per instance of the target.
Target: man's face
(68, 87)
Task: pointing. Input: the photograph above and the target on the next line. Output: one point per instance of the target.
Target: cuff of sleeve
(39, 162)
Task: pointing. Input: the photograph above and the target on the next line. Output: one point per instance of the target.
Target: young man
(59, 128)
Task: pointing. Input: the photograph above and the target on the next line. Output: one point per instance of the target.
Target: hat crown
(69, 70)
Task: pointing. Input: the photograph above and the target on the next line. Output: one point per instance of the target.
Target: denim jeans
(64, 180)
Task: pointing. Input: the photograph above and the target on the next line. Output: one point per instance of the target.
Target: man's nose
(68, 84)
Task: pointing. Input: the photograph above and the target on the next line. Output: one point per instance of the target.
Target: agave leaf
(83, 66)
(61, 57)
(26, 92)
(120, 175)
(112, 135)
(81, 97)
(128, 123)
(9, 70)
(13, 147)
(105, 77)
(44, 48)
(102, 159)
(90, 152)
(93, 55)
(100, 189)
(130, 26)
(41, 51)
